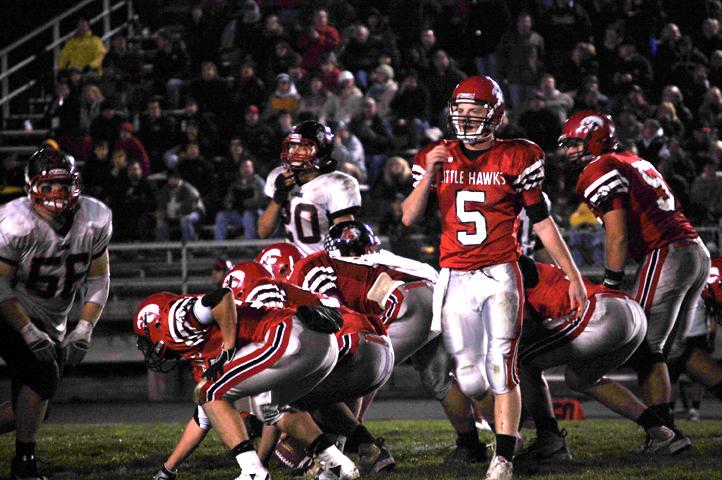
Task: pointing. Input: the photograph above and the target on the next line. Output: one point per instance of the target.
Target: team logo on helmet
(235, 279)
(591, 122)
(148, 314)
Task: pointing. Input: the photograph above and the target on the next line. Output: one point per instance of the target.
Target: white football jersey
(51, 266)
(308, 212)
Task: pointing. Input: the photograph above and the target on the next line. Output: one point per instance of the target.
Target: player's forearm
(269, 219)
(91, 312)
(548, 233)
(415, 204)
(14, 314)
(615, 252)
(227, 318)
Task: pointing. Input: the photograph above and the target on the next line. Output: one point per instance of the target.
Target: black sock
(492, 426)
(321, 443)
(663, 411)
(24, 451)
(469, 440)
(547, 425)
(717, 391)
(361, 435)
(242, 447)
(167, 472)
(648, 419)
(505, 446)
(696, 404)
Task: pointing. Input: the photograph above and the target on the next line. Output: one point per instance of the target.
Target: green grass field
(603, 449)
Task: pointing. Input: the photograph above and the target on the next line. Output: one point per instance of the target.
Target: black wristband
(613, 278)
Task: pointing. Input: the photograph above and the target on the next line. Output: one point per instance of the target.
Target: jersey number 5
(474, 217)
(665, 199)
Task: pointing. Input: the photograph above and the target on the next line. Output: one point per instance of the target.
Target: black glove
(281, 189)
(320, 318)
(216, 368)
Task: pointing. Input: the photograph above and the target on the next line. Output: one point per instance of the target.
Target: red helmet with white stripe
(279, 259)
(593, 131)
(482, 91)
(147, 326)
(712, 293)
(241, 275)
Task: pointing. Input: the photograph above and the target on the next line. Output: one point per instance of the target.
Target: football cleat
(375, 458)
(254, 474)
(338, 468)
(164, 474)
(462, 457)
(692, 415)
(548, 448)
(680, 443)
(658, 440)
(25, 469)
(500, 469)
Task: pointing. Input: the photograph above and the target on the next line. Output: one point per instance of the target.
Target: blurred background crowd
(177, 126)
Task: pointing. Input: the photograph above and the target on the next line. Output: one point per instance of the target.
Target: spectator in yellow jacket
(83, 50)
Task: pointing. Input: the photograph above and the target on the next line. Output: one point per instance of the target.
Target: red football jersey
(623, 180)
(274, 293)
(181, 332)
(347, 281)
(550, 297)
(480, 200)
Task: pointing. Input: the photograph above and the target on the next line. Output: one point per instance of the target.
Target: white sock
(249, 460)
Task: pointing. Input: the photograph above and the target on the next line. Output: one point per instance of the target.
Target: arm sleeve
(529, 175)
(605, 188)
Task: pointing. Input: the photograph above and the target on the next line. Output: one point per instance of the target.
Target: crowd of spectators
(183, 124)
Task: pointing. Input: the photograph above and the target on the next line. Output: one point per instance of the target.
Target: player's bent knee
(44, 381)
(577, 382)
(200, 392)
(472, 381)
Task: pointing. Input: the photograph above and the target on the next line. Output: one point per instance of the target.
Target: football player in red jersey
(279, 259)
(53, 244)
(307, 194)
(641, 220)
(481, 184)
(365, 362)
(243, 351)
(603, 337)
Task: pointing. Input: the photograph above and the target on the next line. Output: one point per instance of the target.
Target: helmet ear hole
(350, 239)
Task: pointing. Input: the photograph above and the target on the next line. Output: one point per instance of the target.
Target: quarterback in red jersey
(257, 353)
(481, 184)
(643, 220)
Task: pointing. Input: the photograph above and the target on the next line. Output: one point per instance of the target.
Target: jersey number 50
(474, 217)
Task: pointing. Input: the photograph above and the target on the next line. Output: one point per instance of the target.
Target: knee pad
(472, 380)
(643, 359)
(44, 379)
(577, 382)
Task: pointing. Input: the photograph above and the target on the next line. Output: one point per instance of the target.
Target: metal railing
(53, 36)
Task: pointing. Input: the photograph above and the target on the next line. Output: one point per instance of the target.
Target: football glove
(281, 188)
(39, 343)
(77, 343)
(216, 368)
(320, 318)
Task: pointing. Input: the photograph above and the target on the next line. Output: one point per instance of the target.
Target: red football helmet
(279, 259)
(712, 293)
(147, 325)
(242, 274)
(308, 147)
(593, 130)
(482, 91)
(46, 167)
